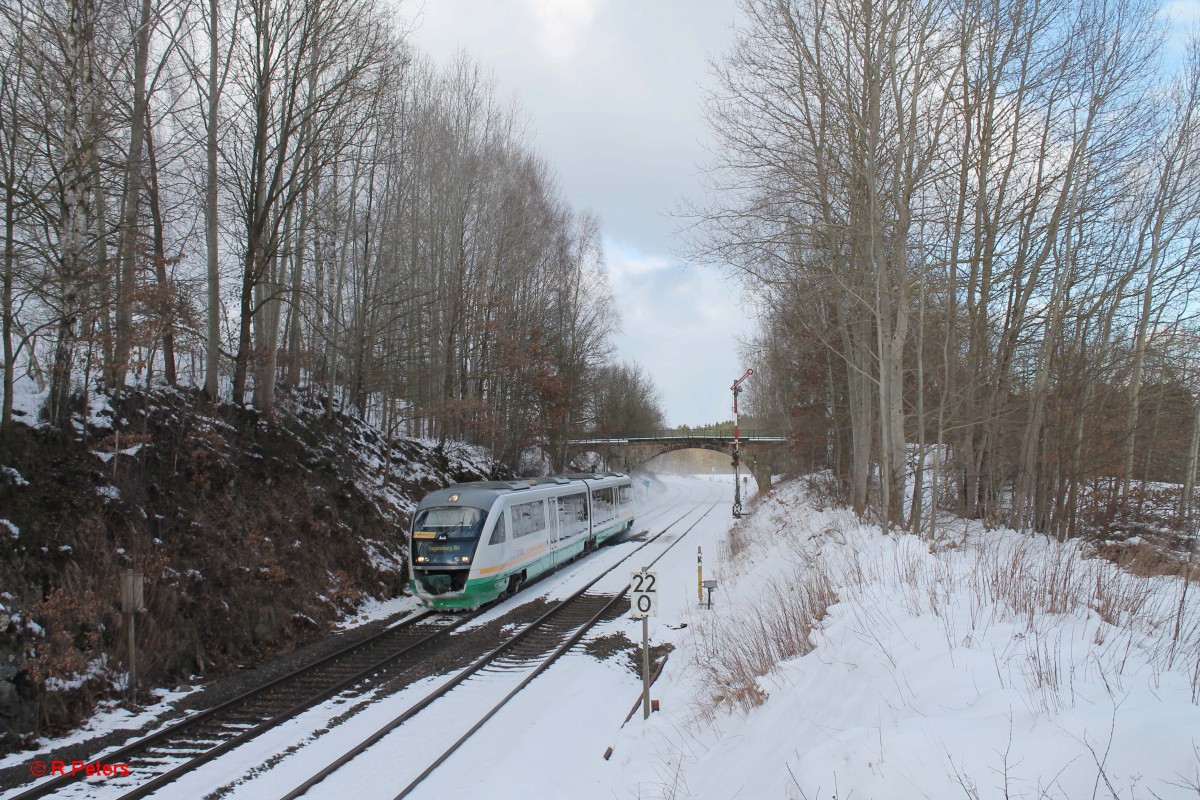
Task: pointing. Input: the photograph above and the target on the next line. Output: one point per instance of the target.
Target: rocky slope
(254, 536)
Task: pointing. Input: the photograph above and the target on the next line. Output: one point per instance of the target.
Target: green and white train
(474, 542)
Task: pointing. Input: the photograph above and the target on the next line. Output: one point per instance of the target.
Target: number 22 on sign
(643, 595)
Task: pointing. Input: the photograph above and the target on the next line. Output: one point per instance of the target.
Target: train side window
(572, 514)
(625, 493)
(602, 503)
(528, 518)
(498, 535)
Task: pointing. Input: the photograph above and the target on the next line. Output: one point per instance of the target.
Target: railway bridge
(763, 452)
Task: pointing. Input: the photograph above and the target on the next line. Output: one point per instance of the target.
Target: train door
(553, 530)
(497, 549)
(625, 503)
(590, 532)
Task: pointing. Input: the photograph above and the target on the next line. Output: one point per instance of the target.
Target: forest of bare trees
(241, 195)
(972, 229)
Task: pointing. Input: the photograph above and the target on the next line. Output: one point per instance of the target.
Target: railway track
(507, 669)
(206, 735)
(163, 757)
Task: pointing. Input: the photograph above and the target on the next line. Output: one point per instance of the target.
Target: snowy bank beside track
(843, 662)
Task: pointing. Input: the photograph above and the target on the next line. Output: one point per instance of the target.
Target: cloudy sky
(612, 90)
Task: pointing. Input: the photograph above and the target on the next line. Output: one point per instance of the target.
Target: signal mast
(737, 451)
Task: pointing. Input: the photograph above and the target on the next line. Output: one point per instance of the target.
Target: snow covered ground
(1000, 667)
(838, 662)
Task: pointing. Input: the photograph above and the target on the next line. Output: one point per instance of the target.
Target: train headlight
(465, 559)
(421, 559)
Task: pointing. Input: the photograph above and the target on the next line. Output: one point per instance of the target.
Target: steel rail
(476, 666)
(195, 720)
(200, 760)
(484, 661)
(190, 765)
(541, 668)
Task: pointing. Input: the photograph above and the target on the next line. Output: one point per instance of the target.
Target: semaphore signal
(737, 452)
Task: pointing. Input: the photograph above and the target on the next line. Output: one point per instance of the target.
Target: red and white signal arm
(643, 595)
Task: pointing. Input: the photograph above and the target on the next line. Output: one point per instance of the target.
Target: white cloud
(623, 264)
(562, 24)
(1182, 12)
(682, 324)
(613, 90)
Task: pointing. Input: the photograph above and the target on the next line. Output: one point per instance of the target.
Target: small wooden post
(646, 667)
(132, 601)
(132, 660)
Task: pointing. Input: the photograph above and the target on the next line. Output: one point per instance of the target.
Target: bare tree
(939, 196)
(380, 225)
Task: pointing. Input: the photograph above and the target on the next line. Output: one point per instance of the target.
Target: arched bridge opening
(762, 453)
(705, 461)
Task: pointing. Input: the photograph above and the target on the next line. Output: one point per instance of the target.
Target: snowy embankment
(841, 662)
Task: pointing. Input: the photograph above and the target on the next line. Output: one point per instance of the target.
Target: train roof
(512, 486)
(595, 476)
(481, 494)
(553, 480)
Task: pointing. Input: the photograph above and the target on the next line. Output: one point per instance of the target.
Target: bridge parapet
(766, 449)
(674, 436)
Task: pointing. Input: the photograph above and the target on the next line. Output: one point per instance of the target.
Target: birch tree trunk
(79, 145)
(130, 203)
(12, 73)
(212, 349)
(166, 290)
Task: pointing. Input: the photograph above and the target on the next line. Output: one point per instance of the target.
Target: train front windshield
(445, 537)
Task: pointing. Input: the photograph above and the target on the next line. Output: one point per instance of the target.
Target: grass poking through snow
(993, 637)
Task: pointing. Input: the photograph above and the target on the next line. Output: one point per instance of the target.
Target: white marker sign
(643, 595)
